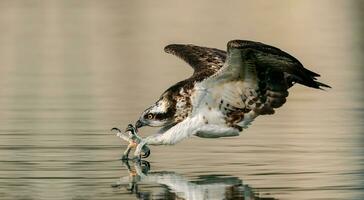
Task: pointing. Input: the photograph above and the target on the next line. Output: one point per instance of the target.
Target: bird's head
(159, 114)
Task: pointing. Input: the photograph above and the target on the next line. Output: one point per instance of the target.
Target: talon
(146, 155)
(130, 128)
(134, 140)
(146, 152)
(115, 129)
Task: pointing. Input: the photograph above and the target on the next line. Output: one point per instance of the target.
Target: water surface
(71, 70)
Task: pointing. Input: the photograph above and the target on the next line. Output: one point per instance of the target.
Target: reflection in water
(171, 185)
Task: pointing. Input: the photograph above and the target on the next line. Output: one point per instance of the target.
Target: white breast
(213, 104)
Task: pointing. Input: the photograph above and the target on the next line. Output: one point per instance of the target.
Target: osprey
(226, 92)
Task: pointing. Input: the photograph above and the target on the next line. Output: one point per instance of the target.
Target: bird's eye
(150, 116)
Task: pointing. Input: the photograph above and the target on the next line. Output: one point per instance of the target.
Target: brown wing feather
(199, 58)
(266, 57)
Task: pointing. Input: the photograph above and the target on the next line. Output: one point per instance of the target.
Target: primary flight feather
(226, 92)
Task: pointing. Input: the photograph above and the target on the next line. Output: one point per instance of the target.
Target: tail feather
(322, 85)
(307, 78)
(311, 82)
(312, 74)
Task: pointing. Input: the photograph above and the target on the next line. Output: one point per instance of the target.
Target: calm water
(71, 70)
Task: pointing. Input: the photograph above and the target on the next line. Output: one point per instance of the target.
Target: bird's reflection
(146, 184)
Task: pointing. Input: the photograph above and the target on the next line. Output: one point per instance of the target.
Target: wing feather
(199, 58)
(256, 76)
(268, 58)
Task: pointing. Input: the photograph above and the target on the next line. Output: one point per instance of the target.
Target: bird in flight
(225, 93)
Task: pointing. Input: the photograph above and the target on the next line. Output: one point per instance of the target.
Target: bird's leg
(156, 139)
(126, 138)
(133, 140)
(171, 136)
(137, 153)
(127, 151)
(137, 141)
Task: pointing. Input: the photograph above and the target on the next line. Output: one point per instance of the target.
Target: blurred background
(71, 70)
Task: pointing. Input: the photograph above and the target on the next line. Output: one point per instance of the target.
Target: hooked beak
(139, 124)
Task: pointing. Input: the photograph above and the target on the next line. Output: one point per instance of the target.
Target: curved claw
(133, 140)
(142, 150)
(146, 154)
(131, 128)
(115, 129)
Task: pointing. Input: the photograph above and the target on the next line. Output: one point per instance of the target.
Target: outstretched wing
(201, 59)
(244, 55)
(255, 77)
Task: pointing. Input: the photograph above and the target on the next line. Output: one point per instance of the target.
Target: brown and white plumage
(226, 92)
